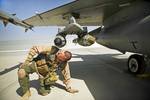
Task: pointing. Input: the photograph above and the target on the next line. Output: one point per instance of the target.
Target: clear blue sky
(25, 9)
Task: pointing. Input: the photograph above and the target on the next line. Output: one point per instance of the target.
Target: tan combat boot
(26, 95)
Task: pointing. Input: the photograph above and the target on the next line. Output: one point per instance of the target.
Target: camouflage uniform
(45, 66)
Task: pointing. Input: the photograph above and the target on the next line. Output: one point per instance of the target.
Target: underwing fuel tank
(86, 40)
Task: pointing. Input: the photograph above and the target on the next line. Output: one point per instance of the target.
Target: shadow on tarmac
(107, 78)
(35, 84)
(10, 69)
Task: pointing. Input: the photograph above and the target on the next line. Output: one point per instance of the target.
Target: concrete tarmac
(98, 73)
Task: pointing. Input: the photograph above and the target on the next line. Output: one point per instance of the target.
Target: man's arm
(66, 75)
(35, 50)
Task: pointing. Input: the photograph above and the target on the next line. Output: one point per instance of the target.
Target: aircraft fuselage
(128, 30)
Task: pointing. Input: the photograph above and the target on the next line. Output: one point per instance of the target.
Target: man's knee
(21, 73)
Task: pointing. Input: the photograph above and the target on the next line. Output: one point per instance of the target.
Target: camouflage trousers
(25, 84)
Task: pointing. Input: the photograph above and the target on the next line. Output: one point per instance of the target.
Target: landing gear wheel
(136, 64)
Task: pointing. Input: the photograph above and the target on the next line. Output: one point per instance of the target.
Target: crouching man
(45, 61)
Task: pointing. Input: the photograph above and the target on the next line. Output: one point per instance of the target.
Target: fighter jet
(124, 25)
(11, 18)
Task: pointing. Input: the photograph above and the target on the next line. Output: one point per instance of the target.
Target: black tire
(136, 64)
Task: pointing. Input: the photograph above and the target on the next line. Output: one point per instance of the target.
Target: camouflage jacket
(44, 56)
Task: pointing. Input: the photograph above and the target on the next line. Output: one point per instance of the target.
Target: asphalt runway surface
(98, 73)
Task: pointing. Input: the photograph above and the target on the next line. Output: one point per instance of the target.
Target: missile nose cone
(58, 41)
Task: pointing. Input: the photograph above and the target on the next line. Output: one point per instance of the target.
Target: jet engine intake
(86, 40)
(60, 41)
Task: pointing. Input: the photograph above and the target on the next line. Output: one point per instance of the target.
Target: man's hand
(70, 90)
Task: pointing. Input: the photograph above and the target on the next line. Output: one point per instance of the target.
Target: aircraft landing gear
(136, 64)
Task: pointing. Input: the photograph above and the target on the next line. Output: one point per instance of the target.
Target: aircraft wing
(11, 18)
(89, 13)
